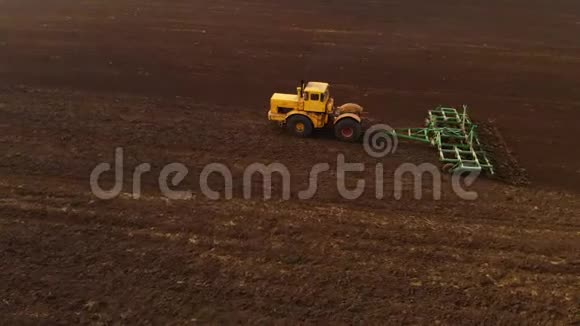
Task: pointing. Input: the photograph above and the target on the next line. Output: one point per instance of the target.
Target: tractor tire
(348, 130)
(300, 126)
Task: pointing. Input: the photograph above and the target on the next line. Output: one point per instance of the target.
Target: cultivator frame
(455, 137)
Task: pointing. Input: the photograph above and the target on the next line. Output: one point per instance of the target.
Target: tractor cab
(315, 96)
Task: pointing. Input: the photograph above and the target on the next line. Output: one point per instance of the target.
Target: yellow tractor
(311, 107)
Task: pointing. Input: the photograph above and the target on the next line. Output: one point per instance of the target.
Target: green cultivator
(455, 137)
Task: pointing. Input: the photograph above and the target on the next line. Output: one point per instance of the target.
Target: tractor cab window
(305, 95)
(314, 97)
(322, 97)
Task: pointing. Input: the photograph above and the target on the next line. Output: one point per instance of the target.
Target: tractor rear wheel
(348, 129)
(300, 125)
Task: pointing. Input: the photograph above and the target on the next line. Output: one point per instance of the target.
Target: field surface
(189, 81)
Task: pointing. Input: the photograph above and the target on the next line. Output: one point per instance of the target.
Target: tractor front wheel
(300, 125)
(348, 130)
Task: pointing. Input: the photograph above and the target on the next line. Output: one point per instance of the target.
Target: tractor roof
(316, 87)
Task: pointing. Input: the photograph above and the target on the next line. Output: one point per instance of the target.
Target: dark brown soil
(188, 81)
(506, 166)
